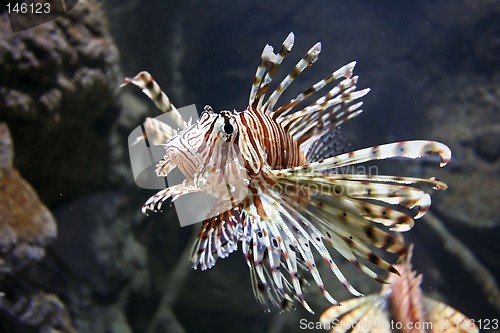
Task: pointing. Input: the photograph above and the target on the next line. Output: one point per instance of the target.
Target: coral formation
(111, 266)
(26, 228)
(44, 313)
(58, 95)
(26, 224)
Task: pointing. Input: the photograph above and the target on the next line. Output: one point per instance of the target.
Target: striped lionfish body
(294, 198)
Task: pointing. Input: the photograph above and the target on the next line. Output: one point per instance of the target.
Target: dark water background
(433, 67)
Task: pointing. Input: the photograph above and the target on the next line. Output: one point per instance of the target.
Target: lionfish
(403, 302)
(267, 148)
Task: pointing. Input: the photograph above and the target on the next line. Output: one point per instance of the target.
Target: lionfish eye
(228, 128)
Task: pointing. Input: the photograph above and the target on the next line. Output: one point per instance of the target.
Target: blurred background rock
(58, 93)
(434, 72)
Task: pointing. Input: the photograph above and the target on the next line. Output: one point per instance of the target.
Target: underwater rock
(463, 112)
(109, 257)
(26, 225)
(58, 95)
(133, 113)
(26, 228)
(42, 312)
(487, 142)
(111, 264)
(6, 148)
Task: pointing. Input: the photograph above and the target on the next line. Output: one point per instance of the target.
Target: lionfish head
(207, 152)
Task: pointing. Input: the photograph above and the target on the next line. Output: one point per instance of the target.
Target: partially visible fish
(400, 307)
(298, 199)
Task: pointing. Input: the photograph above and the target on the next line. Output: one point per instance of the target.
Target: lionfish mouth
(296, 195)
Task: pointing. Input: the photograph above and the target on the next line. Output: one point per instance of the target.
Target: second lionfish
(399, 307)
(270, 147)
